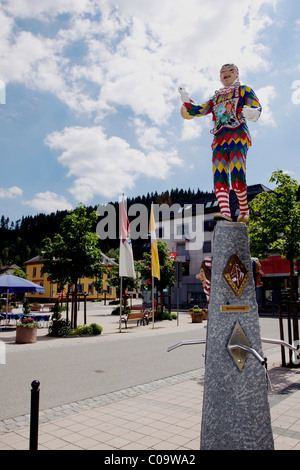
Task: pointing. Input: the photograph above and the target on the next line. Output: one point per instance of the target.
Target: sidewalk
(160, 415)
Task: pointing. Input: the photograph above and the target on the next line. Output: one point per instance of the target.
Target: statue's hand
(251, 114)
(185, 98)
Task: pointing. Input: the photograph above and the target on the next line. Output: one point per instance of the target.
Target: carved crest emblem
(236, 275)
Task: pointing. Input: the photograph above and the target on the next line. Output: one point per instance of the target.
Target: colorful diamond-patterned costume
(231, 140)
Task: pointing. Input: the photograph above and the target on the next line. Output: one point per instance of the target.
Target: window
(180, 249)
(182, 229)
(80, 288)
(34, 272)
(42, 285)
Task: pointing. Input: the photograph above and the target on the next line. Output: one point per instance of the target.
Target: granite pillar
(236, 414)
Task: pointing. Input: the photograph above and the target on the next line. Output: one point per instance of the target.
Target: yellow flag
(155, 269)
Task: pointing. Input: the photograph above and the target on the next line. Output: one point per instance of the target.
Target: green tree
(74, 253)
(20, 273)
(167, 276)
(274, 226)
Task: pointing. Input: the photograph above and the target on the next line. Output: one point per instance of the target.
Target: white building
(187, 229)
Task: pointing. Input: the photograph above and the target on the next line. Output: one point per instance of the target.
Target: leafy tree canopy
(74, 253)
(274, 226)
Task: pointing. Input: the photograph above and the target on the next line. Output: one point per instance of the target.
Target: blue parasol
(10, 284)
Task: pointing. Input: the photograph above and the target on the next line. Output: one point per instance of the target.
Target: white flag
(126, 264)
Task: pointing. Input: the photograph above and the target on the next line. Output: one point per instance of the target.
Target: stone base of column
(236, 413)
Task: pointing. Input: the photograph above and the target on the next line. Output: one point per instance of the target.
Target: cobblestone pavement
(160, 415)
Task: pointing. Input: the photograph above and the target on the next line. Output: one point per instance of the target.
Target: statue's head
(229, 73)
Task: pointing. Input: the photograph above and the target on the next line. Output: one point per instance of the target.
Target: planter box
(35, 308)
(25, 335)
(9, 309)
(197, 318)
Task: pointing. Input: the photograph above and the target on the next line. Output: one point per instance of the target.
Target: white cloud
(47, 202)
(192, 129)
(149, 138)
(11, 193)
(135, 54)
(265, 95)
(47, 9)
(106, 166)
(127, 58)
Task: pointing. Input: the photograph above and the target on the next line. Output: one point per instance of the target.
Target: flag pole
(121, 298)
(121, 282)
(152, 281)
(6, 305)
(154, 257)
(152, 302)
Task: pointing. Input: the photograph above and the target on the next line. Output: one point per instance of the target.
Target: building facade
(53, 291)
(179, 232)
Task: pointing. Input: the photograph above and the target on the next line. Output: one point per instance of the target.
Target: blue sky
(89, 102)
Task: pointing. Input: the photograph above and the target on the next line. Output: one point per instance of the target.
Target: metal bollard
(34, 415)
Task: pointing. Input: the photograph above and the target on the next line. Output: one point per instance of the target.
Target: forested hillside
(23, 239)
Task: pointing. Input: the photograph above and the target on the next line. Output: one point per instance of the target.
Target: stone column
(236, 413)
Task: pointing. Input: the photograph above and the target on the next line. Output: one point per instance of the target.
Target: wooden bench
(138, 315)
(137, 308)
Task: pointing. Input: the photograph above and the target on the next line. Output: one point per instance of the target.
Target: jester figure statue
(231, 107)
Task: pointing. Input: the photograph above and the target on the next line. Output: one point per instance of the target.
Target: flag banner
(126, 263)
(155, 268)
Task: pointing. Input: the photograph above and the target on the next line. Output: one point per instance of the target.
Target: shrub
(60, 328)
(57, 309)
(125, 310)
(92, 329)
(97, 329)
(164, 314)
(82, 330)
(26, 306)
